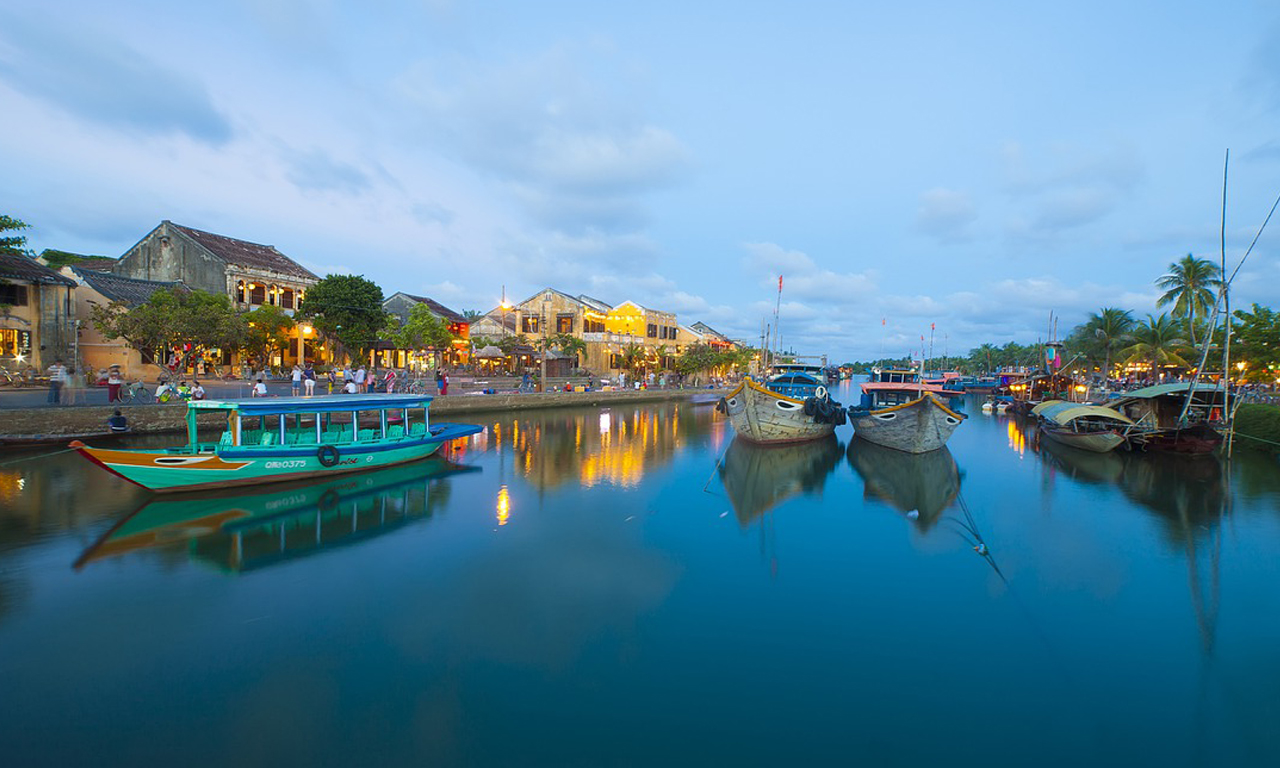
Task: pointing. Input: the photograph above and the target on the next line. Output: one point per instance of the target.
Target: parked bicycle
(8, 379)
(136, 392)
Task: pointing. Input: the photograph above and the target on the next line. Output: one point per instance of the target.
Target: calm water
(630, 587)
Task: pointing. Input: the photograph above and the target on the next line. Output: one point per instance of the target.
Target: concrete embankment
(154, 419)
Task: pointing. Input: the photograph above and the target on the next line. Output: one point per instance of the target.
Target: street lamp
(542, 323)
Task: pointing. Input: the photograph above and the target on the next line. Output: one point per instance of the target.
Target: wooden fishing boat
(1157, 415)
(1087, 427)
(269, 440)
(792, 407)
(901, 412)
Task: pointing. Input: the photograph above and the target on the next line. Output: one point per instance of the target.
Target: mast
(1226, 306)
(777, 336)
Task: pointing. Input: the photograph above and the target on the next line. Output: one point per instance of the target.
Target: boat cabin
(1160, 406)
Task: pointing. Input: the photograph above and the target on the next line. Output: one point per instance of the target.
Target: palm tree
(1109, 329)
(980, 357)
(1188, 287)
(1157, 342)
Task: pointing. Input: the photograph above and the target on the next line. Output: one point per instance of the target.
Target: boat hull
(918, 426)
(168, 471)
(763, 416)
(1097, 442)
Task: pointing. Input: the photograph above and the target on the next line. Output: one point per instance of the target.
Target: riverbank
(54, 423)
(1258, 427)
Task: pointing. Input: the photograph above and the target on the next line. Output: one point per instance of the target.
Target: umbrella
(491, 353)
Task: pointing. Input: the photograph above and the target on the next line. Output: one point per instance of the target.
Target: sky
(957, 171)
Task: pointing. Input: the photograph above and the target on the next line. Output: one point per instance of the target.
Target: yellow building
(37, 314)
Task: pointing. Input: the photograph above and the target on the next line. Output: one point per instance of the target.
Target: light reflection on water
(633, 586)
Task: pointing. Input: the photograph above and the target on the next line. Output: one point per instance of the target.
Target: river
(630, 586)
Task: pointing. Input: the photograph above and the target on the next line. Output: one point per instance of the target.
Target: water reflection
(758, 478)
(923, 483)
(239, 532)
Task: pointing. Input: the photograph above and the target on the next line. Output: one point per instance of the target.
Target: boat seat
(248, 437)
(395, 431)
(269, 438)
(417, 429)
(366, 435)
(227, 438)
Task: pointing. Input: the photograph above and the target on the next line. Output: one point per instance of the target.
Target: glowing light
(504, 506)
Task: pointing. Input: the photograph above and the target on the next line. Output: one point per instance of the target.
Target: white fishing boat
(790, 407)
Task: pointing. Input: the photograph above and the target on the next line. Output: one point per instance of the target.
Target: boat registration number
(293, 464)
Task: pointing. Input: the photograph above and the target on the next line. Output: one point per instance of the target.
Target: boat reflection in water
(925, 484)
(1085, 466)
(758, 478)
(238, 532)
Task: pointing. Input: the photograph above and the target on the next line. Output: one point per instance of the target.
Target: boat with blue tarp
(793, 405)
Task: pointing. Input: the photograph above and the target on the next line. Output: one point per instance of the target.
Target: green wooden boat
(269, 440)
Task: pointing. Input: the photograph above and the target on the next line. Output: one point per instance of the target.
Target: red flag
(882, 320)
(779, 282)
(932, 326)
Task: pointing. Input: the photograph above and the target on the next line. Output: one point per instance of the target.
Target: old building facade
(95, 287)
(37, 314)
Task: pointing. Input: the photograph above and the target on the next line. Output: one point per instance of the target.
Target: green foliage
(58, 259)
(1260, 422)
(421, 330)
(1189, 285)
(171, 319)
(267, 331)
(347, 309)
(1158, 342)
(13, 244)
(1256, 342)
(567, 344)
(700, 358)
(1104, 334)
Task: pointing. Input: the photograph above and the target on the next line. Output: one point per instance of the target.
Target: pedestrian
(439, 379)
(349, 387)
(444, 383)
(359, 379)
(295, 387)
(332, 379)
(390, 380)
(57, 377)
(309, 379)
(114, 381)
(197, 391)
(526, 385)
(117, 423)
(259, 389)
(70, 387)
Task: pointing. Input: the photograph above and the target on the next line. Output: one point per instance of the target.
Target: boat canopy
(1159, 390)
(271, 406)
(1062, 413)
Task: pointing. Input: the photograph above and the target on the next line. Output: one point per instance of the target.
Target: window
(241, 295)
(529, 324)
(592, 326)
(653, 331)
(257, 293)
(564, 324)
(286, 298)
(13, 295)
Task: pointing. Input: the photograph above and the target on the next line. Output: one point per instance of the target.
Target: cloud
(1268, 151)
(96, 78)
(803, 278)
(945, 214)
(1261, 79)
(570, 151)
(1062, 187)
(317, 171)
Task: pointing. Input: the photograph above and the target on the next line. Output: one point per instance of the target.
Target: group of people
(63, 385)
(346, 380)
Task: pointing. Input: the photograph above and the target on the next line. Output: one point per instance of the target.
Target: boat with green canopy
(272, 440)
(1087, 427)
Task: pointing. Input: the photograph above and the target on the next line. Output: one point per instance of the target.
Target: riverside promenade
(51, 421)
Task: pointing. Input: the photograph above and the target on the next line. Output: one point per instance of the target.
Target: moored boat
(792, 406)
(1157, 413)
(899, 411)
(268, 440)
(1087, 427)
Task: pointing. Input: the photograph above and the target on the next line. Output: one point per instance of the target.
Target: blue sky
(968, 165)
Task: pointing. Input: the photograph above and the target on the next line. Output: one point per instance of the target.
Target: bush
(1261, 422)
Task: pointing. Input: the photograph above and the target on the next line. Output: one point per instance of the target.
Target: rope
(36, 456)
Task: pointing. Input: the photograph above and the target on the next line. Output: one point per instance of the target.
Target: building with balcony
(401, 305)
(252, 275)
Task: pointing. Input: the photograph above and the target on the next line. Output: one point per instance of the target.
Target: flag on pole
(882, 320)
(932, 326)
(779, 282)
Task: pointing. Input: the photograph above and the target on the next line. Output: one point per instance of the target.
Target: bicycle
(136, 392)
(7, 379)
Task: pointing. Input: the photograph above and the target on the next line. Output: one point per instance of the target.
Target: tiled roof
(437, 308)
(125, 290)
(594, 303)
(246, 254)
(16, 267)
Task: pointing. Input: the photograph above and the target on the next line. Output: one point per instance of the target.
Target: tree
(1189, 285)
(347, 309)
(267, 331)
(697, 358)
(472, 315)
(1157, 342)
(422, 329)
(174, 319)
(984, 358)
(1107, 331)
(13, 244)
(1258, 334)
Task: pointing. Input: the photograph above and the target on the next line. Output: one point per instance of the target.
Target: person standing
(69, 387)
(439, 381)
(57, 376)
(295, 387)
(332, 380)
(359, 379)
(390, 380)
(114, 381)
(444, 383)
(309, 379)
